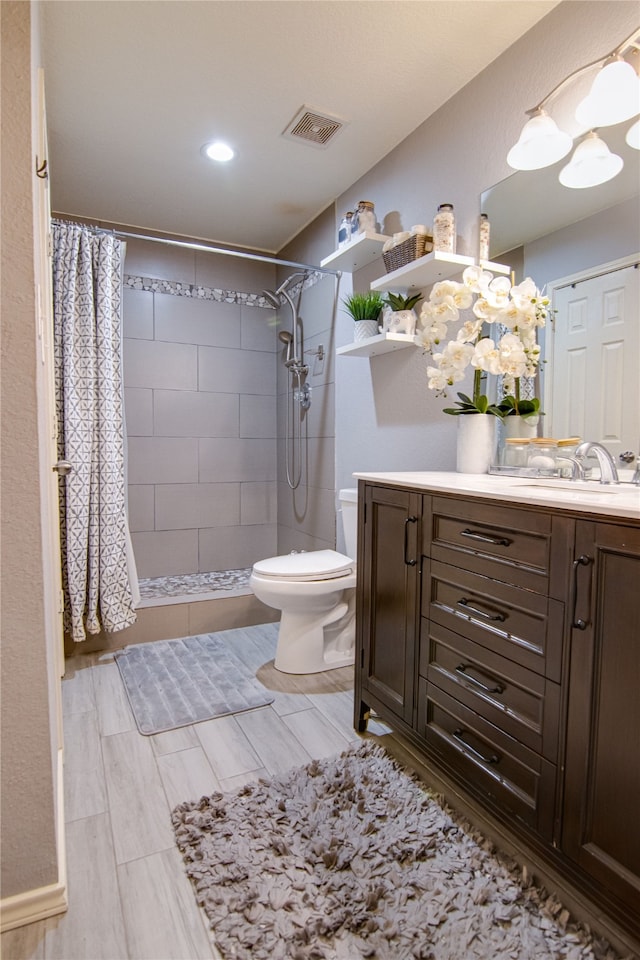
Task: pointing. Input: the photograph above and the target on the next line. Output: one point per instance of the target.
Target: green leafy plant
(479, 403)
(397, 302)
(513, 406)
(363, 306)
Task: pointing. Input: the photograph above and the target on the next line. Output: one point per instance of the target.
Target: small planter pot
(476, 442)
(364, 329)
(400, 321)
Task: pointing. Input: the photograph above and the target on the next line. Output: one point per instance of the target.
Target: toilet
(315, 591)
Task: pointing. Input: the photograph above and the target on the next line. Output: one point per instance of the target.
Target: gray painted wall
(388, 419)
(27, 799)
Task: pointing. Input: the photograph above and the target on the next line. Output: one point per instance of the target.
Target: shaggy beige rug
(352, 858)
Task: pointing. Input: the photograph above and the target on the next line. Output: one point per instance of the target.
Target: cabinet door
(601, 824)
(388, 612)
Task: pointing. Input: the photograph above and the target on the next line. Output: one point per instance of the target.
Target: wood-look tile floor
(129, 897)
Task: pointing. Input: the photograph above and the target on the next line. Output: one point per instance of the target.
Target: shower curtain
(87, 308)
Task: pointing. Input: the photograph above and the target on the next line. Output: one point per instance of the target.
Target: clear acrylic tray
(530, 472)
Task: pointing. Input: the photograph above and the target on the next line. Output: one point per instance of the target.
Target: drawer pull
(409, 563)
(496, 688)
(577, 622)
(459, 736)
(463, 602)
(486, 538)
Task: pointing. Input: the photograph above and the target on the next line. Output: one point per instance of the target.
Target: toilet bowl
(315, 592)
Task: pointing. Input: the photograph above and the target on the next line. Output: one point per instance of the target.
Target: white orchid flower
(525, 293)
(486, 356)
(476, 279)
(499, 290)
(458, 355)
(436, 379)
(469, 331)
(485, 310)
(444, 290)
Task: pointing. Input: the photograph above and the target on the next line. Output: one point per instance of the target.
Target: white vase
(364, 329)
(512, 427)
(476, 442)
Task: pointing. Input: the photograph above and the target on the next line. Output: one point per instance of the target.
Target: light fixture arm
(631, 41)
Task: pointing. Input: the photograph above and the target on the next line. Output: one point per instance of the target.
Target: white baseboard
(33, 905)
(47, 901)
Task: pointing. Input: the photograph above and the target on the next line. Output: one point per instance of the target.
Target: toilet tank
(349, 505)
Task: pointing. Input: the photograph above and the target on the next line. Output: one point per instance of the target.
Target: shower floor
(155, 591)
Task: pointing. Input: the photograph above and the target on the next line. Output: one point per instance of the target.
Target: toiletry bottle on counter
(366, 217)
(483, 253)
(444, 229)
(344, 231)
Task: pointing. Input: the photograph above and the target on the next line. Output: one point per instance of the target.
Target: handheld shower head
(285, 337)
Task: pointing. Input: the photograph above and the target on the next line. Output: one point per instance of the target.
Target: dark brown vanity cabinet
(490, 662)
(505, 642)
(387, 602)
(601, 810)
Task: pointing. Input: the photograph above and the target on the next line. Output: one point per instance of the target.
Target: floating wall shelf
(383, 343)
(494, 267)
(364, 249)
(423, 272)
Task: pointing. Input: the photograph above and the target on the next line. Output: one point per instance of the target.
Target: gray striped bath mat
(173, 683)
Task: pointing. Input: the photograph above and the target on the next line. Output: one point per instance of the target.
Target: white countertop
(579, 497)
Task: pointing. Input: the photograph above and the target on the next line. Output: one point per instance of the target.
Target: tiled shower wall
(200, 403)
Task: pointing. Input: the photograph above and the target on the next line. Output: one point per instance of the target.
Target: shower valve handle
(62, 467)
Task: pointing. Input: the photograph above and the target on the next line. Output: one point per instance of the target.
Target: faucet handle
(627, 457)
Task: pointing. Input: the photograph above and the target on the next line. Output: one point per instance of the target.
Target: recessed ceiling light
(218, 151)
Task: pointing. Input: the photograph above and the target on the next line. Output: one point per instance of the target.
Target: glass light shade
(592, 163)
(633, 135)
(614, 96)
(541, 143)
(218, 151)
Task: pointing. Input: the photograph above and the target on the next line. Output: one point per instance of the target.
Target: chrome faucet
(608, 471)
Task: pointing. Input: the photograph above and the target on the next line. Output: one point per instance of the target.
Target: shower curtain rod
(202, 246)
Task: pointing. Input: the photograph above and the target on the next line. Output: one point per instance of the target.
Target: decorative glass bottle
(444, 229)
(485, 229)
(366, 217)
(344, 231)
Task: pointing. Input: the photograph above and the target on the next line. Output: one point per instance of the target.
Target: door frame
(599, 270)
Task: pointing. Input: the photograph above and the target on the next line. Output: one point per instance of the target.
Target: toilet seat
(314, 565)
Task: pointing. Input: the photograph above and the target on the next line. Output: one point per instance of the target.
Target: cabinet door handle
(486, 538)
(409, 563)
(459, 736)
(496, 688)
(582, 561)
(487, 615)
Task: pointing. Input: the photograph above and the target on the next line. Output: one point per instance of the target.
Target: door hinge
(362, 659)
(60, 602)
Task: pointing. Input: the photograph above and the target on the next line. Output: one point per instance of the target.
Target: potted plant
(521, 310)
(401, 318)
(365, 309)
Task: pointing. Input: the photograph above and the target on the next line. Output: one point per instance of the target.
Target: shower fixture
(298, 394)
(287, 338)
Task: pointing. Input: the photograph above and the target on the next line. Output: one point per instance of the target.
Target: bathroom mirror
(531, 204)
(526, 211)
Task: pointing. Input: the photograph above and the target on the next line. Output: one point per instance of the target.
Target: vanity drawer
(518, 624)
(520, 702)
(492, 763)
(502, 542)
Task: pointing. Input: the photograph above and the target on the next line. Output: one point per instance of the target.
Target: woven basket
(406, 252)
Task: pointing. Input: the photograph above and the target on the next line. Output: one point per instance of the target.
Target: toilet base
(326, 644)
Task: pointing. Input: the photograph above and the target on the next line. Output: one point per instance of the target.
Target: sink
(583, 486)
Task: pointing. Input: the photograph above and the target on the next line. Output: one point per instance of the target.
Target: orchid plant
(521, 309)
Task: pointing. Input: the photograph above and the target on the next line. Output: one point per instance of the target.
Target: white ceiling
(135, 88)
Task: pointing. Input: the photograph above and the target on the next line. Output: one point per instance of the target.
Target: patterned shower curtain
(87, 308)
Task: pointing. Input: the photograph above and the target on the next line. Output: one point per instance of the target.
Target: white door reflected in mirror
(595, 361)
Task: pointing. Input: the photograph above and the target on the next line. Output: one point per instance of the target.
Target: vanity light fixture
(592, 163)
(614, 97)
(218, 150)
(633, 135)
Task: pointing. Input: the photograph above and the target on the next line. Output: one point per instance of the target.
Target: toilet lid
(314, 565)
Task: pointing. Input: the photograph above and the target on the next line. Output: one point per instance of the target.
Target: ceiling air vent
(313, 127)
